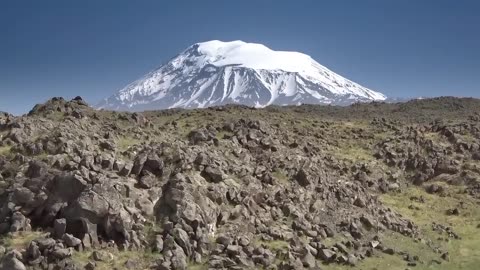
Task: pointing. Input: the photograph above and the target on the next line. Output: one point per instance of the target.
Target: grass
(473, 166)
(20, 240)
(197, 266)
(434, 136)
(350, 148)
(120, 258)
(349, 125)
(331, 241)
(464, 253)
(276, 245)
(5, 150)
(151, 230)
(355, 153)
(281, 176)
(221, 134)
(381, 136)
(55, 116)
(42, 156)
(437, 138)
(468, 138)
(124, 143)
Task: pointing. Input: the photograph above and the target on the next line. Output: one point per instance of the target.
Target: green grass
(331, 241)
(20, 240)
(464, 253)
(376, 262)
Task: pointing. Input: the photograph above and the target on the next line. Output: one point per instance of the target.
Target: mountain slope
(215, 72)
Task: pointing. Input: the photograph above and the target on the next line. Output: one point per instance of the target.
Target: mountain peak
(217, 47)
(217, 72)
(254, 55)
(221, 43)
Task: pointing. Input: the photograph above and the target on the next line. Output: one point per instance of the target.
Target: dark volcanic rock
(230, 187)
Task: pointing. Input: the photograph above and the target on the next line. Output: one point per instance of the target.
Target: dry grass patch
(143, 258)
(276, 245)
(354, 153)
(281, 176)
(20, 240)
(5, 150)
(124, 143)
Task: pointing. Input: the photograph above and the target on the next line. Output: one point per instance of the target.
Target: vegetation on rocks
(369, 186)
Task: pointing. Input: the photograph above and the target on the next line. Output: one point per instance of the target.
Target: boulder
(126, 169)
(45, 243)
(102, 256)
(36, 169)
(199, 136)
(145, 206)
(33, 251)
(179, 259)
(11, 262)
(326, 255)
(71, 241)
(309, 260)
(23, 195)
(89, 205)
(389, 251)
(61, 253)
(182, 239)
(359, 202)
(213, 174)
(19, 222)
(154, 164)
(303, 178)
(147, 181)
(138, 163)
(158, 244)
(59, 227)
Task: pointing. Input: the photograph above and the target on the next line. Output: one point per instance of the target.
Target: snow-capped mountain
(215, 73)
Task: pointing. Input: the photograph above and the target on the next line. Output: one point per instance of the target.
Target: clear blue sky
(93, 48)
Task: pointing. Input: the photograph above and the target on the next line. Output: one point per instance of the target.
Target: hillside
(368, 186)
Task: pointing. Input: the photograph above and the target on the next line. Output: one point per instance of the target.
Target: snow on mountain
(215, 73)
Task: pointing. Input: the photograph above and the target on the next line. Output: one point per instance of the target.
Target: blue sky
(93, 48)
